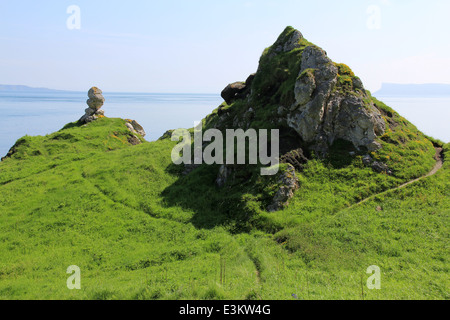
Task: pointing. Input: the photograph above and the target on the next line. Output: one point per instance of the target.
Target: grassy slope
(83, 196)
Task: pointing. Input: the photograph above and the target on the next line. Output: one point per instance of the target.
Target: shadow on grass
(214, 206)
(246, 194)
(342, 154)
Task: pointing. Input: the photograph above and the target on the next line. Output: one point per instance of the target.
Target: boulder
(96, 99)
(232, 91)
(367, 160)
(296, 158)
(135, 127)
(381, 167)
(377, 166)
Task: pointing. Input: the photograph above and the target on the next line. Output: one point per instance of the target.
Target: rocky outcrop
(167, 135)
(136, 130)
(237, 90)
(135, 127)
(295, 158)
(323, 112)
(321, 100)
(95, 102)
(134, 140)
(288, 184)
(11, 151)
(290, 43)
(377, 166)
(318, 105)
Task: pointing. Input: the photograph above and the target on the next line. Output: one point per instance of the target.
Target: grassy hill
(139, 230)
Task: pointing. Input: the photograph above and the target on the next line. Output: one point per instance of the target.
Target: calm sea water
(430, 115)
(23, 113)
(34, 114)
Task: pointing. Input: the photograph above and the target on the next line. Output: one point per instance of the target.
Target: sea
(41, 113)
(29, 113)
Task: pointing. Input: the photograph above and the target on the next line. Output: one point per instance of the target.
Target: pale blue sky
(201, 46)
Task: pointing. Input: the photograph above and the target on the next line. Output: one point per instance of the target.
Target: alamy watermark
(374, 281)
(74, 20)
(374, 17)
(235, 145)
(74, 281)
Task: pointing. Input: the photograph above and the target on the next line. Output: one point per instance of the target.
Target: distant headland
(414, 90)
(21, 88)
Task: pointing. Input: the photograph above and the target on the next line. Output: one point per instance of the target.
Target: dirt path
(439, 163)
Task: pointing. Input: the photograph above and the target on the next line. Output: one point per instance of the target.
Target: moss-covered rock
(297, 86)
(298, 89)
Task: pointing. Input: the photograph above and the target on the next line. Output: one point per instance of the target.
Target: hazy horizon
(381, 92)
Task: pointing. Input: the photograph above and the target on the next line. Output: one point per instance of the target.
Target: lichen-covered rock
(304, 88)
(357, 83)
(322, 114)
(135, 127)
(95, 102)
(290, 43)
(322, 101)
(96, 99)
(289, 183)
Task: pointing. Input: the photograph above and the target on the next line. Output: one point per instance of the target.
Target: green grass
(404, 148)
(139, 230)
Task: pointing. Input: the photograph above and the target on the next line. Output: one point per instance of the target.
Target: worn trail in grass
(138, 229)
(439, 163)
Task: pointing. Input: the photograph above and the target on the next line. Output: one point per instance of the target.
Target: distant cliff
(413, 90)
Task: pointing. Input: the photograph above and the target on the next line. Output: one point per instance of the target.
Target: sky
(199, 46)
